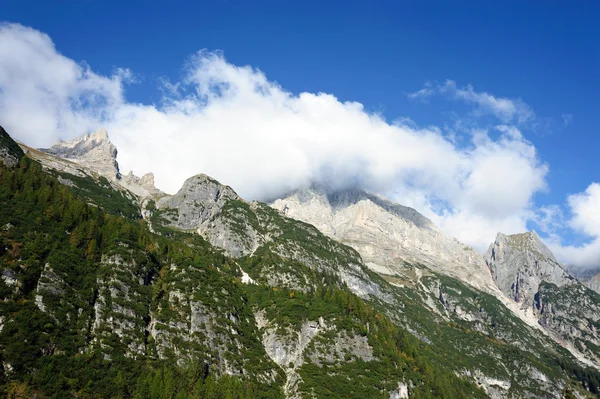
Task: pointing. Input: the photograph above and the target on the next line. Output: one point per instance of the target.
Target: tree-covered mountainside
(93, 304)
(104, 295)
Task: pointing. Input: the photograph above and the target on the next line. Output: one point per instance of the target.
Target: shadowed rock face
(10, 152)
(386, 234)
(520, 262)
(93, 150)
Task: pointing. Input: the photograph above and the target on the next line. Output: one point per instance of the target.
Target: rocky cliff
(520, 262)
(93, 155)
(387, 235)
(93, 150)
(213, 296)
(527, 271)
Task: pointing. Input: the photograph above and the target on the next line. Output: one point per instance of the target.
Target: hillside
(107, 293)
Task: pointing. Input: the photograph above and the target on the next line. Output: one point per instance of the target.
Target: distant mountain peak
(198, 200)
(386, 234)
(93, 150)
(521, 262)
(528, 241)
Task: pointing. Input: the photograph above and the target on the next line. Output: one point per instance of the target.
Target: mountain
(527, 271)
(10, 152)
(403, 246)
(387, 235)
(109, 293)
(93, 150)
(96, 304)
(520, 262)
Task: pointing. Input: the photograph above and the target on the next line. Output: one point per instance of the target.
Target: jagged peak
(202, 181)
(528, 241)
(93, 150)
(87, 141)
(343, 198)
(99, 135)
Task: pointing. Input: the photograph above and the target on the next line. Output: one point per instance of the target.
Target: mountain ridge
(261, 298)
(385, 233)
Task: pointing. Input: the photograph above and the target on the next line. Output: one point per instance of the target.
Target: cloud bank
(584, 209)
(234, 124)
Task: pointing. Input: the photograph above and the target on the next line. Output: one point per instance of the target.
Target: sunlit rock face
(387, 235)
(93, 150)
(520, 262)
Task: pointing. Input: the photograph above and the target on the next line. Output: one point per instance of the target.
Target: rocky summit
(520, 262)
(387, 235)
(527, 271)
(93, 150)
(110, 288)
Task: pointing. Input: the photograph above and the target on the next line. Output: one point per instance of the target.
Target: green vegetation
(90, 280)
(7, 142)
(95, 305)
(101, 193)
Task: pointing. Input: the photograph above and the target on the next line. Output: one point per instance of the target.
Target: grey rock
(93, 150)
(198, 201)
(7, 158)
(386, 235)
(527, 271)
(141, 186)
(520, 262)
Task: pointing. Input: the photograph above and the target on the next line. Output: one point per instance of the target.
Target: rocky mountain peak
(200, 198)
(141, 186)
(520, 262)
(386, 234)
(528, 241)
(93, 150)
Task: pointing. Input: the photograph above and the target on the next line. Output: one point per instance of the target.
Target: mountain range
(112, 288)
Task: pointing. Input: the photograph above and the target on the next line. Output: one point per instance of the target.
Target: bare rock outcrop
(520, 262)
(94, 151)
(387, 235)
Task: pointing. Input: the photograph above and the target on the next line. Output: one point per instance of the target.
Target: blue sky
(544, 55)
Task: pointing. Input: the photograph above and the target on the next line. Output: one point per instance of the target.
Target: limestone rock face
(240, 228)
(140, 186)
(387, 235)
(90, 155)
(527, 271)
(93, 150)
(200, 204)
(520, 262)
(199, 200)
(8, 159)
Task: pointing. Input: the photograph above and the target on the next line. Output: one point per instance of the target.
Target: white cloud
(585, 219)
(234, 124)
(507, 110)
(47, 94)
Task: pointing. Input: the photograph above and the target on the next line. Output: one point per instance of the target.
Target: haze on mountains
(233, 123)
